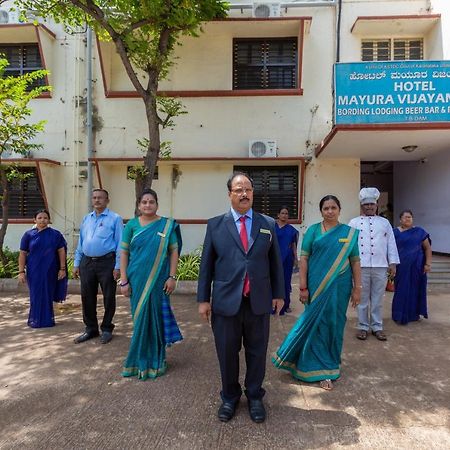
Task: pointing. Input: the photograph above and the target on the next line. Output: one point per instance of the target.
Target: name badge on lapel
(344, 240)
(161, 234)
(265, 231)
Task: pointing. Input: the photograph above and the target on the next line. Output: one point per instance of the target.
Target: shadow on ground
(58, 395)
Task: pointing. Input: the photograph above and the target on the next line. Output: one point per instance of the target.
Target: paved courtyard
(58, 395)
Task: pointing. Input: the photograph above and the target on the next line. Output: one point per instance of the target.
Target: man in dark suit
(241, 259)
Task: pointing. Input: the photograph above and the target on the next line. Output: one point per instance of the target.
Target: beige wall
(214, 126)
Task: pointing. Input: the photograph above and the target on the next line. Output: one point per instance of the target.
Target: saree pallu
(154, 325)
(410, 298)
(42, 266)
(312, 349)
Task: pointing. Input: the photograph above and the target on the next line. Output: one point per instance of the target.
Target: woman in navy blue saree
(42, 263)
(148, 265)
(414, 249)
(287, 240)
(330, 275)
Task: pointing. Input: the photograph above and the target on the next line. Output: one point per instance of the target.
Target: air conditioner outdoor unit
(262, 148)
(266, 9)
(8, 16)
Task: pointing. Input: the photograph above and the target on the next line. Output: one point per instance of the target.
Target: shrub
(11, 268)
(189, 265)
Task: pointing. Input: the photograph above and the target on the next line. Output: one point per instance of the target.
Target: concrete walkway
(58, 395)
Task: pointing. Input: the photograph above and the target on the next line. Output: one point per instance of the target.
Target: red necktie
(244, 240)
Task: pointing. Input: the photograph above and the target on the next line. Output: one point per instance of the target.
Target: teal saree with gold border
(312, 349)
(154, 325)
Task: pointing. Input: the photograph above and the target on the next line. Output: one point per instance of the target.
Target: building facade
(261, 89)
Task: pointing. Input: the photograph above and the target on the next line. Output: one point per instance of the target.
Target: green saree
(312, 349)
(154, 326)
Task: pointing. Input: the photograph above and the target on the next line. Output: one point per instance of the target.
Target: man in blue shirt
(97, 262)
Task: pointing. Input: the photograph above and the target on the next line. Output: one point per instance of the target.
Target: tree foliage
(145, 33)
(17, 133)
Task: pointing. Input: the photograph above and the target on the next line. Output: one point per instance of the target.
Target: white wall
(215, 126)
(425, 189)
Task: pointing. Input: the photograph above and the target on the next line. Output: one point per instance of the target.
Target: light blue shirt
(248, 221)
(99, 235)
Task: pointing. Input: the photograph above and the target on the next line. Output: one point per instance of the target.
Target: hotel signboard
(392, 92)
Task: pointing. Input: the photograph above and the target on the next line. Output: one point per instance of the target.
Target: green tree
(16, 132)
(145, 33)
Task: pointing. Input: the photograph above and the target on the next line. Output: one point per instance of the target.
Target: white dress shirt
(377, 247)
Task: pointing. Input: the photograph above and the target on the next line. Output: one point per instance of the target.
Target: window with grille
(22, 59)
(265, 63)
(25, 196)
(391, 49)
(274, 187)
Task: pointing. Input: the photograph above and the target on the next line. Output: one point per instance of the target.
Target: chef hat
(368, 195)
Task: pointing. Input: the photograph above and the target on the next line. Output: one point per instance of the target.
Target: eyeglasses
(241, 191)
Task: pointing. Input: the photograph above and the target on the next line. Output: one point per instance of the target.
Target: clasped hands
(355, 297)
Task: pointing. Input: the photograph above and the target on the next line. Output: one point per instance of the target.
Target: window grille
(274, 187)
(265, 63)
(25, 195)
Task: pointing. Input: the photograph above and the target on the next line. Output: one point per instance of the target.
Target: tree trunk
(5, 213)
(153, 122)
(138, 188)
(154, 139)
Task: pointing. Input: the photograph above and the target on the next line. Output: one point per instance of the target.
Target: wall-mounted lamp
(409, 148)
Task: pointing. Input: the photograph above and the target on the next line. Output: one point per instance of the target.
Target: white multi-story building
(310, 97)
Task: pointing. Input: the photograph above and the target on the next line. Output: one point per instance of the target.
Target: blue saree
(410, 298)
(42, 266)
(154, 325)
(312, 349)
(287, 237)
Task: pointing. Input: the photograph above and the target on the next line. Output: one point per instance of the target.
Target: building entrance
(379, 174)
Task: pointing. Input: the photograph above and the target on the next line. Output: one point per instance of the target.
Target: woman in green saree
(148, 264)
(330, 275)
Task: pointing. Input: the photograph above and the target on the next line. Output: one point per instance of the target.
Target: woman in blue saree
(148, 265)
(287, 240)
(414, 249)
(330, 275)
(42, 263)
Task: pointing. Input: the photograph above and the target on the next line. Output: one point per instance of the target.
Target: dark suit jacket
(225, 263)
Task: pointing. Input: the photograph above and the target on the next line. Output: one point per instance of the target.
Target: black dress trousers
(95, 272)
(230, 332)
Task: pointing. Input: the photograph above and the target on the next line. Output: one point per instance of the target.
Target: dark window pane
(265, 63)
(274, 187)
(375, 50)
(407, 49)
(23, 59)
(281, 77)
(25, 196)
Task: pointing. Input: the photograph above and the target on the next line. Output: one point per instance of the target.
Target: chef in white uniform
(379, 255)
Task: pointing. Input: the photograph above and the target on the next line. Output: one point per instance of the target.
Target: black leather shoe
(257, 410)
(85, 337)
(106, 337)
(226, 411)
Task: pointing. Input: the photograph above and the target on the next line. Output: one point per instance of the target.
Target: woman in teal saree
(148, 264)
(330, 275)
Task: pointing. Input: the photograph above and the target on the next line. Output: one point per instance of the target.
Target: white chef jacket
(376, 242)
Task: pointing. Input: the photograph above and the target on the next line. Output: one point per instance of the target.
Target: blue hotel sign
(392, 92)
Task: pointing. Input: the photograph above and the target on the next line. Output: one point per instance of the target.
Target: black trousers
(229, 334)
(95, 271)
